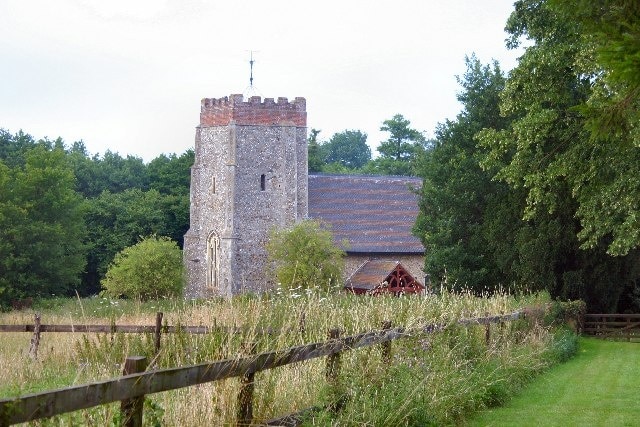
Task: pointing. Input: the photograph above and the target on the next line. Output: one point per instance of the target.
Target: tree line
(65, 214)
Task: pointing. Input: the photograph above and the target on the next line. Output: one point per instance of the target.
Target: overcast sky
(128, 75)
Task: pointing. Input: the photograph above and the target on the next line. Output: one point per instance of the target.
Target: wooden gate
(619, 326)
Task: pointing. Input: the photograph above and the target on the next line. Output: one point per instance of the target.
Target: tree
(348, 148)
(610, 33)
(457, 195)
(580, 188)
(315, 156)
(305, 256)
(606, 187)
(150, 269)
(398, 154)
(401, 143)
(8, 290)
(41, 226)
(557, 89)
(13, 148)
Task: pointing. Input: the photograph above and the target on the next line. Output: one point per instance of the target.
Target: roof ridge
(340, 175)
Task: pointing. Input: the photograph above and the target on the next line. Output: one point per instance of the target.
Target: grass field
(434, 380)
(599, 387)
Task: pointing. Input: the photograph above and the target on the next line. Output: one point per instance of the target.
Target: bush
(563, 346)
(305, 256)
(150, 269)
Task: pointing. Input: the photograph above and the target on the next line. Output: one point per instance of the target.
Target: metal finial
(251, 61)
(251, 90)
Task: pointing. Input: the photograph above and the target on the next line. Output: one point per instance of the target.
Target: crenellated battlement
(253, 111)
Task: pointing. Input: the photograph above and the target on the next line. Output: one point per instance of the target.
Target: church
(250, 174)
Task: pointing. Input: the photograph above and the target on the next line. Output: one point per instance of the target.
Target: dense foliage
(150, 269)
(65, 214)
(42, 233)
(348, 148)
(459, 198)
(535, 182)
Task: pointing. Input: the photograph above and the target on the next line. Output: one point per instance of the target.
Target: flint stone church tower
(249, 175)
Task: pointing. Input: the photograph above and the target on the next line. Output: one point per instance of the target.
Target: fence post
(302, 326)
(112, 328)
(580, 322)
(333, 374)
(487, 332)
(245, 397)
(158, 331)
(629, 329)
(35, 339)
(386, 346)
(131, 409)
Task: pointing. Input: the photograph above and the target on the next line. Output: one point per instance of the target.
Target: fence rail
(625, 326)
(128, 329)
(137, 385)
(158, 329)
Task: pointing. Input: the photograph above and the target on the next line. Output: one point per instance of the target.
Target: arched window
(213, 246)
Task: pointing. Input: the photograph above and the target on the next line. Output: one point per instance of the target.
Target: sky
(128, 75)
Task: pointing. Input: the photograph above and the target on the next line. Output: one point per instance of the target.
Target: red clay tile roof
(371, 274)
(374, 214)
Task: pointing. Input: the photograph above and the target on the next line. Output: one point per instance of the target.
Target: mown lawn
(598, 387)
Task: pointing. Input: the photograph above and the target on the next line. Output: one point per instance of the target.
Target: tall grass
(436, 379)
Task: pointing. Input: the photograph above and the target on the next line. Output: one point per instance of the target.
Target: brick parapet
(254, 111)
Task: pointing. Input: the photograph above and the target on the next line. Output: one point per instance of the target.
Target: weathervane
(251, 61)
(251, 90)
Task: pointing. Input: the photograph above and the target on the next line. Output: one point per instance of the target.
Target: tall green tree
(400, 153)
(401, 142)
(315, 156)
(605, 186)
(457, 195)
(348, 148)
(43, 229)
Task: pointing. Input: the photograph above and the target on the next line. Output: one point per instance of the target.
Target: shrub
(563, 346)
(150, 269)
(305, 256)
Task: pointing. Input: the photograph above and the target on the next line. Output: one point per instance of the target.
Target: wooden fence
(135, 329)
(157, 330)
(131, 388)
(625, 326)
